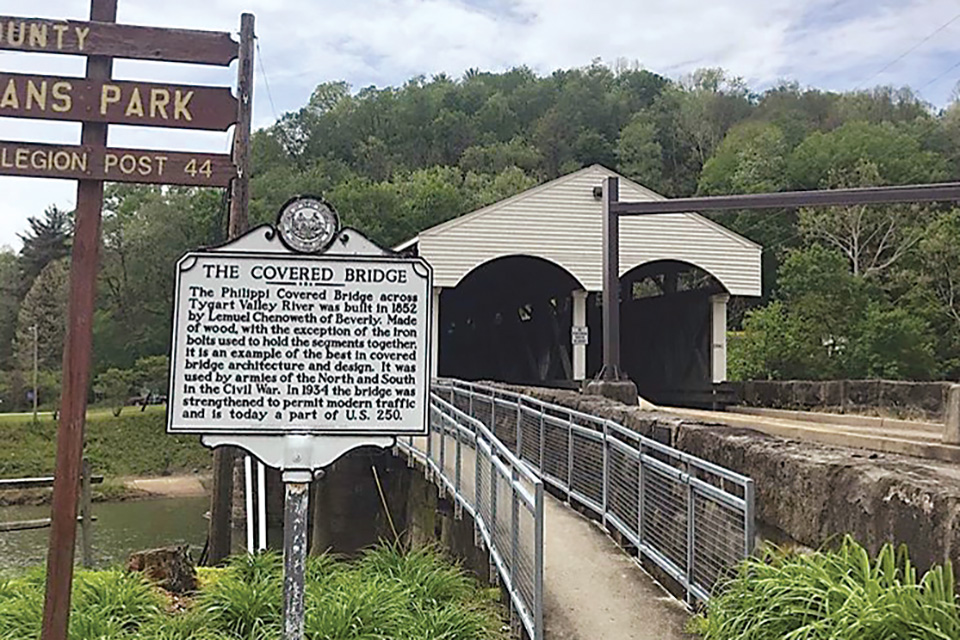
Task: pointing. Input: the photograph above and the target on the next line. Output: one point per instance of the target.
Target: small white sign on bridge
(300, 344)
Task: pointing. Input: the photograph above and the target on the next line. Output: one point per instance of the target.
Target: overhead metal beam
(613, 208)
(791, 199)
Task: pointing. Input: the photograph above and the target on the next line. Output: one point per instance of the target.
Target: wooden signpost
(96, 100)
(105, 38)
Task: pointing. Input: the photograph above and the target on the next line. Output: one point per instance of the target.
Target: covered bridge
(517, 289)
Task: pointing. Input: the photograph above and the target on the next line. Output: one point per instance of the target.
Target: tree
(639, 153)
(48, 239)
(114, 386)
(710, 103)
(891, 343)
(873, 238)
(487, 189)
(9, 302)
(897, 155)
(44, 307)
(151, 375)
(775, 345)
(498, 156)
(145, 231)
(751, 159)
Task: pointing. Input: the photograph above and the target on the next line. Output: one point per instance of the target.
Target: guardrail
(85, 517)
(500, 492)
(691, 518)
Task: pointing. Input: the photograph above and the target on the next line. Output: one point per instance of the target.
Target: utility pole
(36, 350)
(221, 498)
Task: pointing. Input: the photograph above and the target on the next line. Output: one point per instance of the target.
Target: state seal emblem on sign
(307, 223)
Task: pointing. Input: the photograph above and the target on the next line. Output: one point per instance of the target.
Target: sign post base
(296, 506)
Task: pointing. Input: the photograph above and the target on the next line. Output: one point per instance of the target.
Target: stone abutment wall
(909, 400)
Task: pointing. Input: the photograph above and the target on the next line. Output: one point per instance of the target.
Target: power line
(266, 82)
(920, 90)
(913, 48)
(282, 130)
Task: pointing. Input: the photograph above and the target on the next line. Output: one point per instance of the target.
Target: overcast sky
(831, 44)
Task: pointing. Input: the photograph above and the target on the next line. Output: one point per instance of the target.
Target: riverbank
(194, 485)
(124, 449)
(132, 444)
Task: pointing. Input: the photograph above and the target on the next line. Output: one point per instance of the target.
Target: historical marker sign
(139, 103)
(109, 39)
(274, 344)
(116, 165)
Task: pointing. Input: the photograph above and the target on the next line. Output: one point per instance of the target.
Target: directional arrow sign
(141, 103)
(116, 40)
(115, 165)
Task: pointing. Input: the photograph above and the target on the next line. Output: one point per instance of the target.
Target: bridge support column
(579, 320)
(718, 336)
(435, 333)
(951, 431)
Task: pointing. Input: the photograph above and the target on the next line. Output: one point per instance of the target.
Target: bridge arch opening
(673, 344)
(509, 319)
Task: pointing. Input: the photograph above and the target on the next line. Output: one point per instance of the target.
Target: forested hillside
(856, 292)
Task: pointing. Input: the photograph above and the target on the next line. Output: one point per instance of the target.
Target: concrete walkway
(594, 591)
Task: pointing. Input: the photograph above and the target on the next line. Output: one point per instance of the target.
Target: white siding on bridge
(560, 221)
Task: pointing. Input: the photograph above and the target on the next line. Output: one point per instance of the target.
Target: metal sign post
(96, 100)
(299, 342)
(295, 507)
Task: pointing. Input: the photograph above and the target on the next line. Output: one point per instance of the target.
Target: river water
(121, 528)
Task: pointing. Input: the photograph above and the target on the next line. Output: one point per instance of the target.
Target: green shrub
(387, 595)
(833, 595)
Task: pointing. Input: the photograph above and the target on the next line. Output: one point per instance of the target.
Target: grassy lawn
(132, 444)
(386, 595)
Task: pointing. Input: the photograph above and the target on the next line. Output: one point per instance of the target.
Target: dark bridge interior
(510, 320)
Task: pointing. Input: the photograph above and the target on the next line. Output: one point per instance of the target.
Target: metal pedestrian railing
(691, 518)
(502, 494)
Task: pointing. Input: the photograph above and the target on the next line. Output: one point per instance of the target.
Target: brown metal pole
(939, 192)
(611, 281)
(76, 367)
(221, 498)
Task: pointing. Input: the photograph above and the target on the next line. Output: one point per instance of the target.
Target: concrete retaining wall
(813, 493)
(910, 400)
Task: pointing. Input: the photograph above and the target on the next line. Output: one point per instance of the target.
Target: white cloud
(838, 45)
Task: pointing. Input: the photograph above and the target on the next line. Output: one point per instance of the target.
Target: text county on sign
(115, 165)
(139, 103)
(117, 40)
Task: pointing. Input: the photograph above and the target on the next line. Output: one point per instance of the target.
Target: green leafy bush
(388, 594)
(833, 595)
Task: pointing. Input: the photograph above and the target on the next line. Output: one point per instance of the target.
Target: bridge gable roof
(561, 221)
